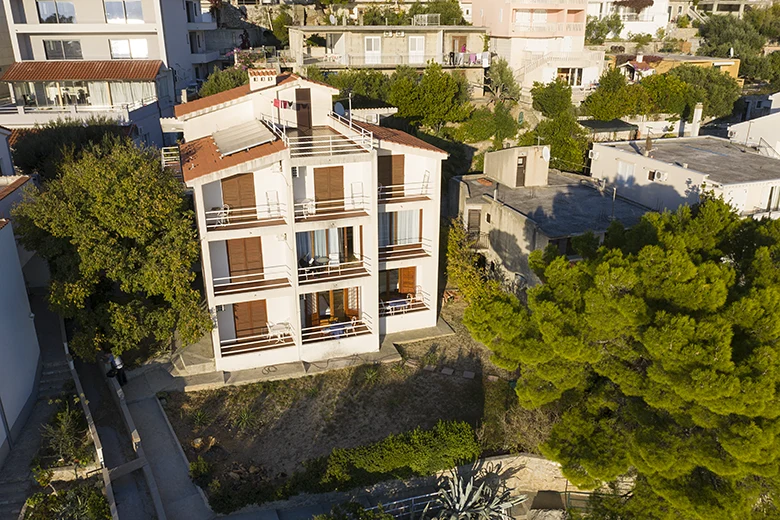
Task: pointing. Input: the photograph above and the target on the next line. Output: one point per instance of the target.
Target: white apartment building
(319, 234)
(645, 21)
(124, 59)
(541, 39)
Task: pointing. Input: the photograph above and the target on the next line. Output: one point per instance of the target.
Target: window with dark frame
(126, 11)
(56, 12)
(62, 49)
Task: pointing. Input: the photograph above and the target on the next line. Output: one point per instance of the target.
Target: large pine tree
(662, 345)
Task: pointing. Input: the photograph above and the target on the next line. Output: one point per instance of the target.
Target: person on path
(119, 366)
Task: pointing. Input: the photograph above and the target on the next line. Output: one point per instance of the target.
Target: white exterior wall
(18, 343)
(683, 186)
(6, 164)
(648, 21)
(751, 132)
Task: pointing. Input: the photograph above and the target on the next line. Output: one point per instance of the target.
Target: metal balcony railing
(331, 209)
(272, 277)
(331, 270)
(402, 249)
(337, 330)
(226, 217)
(278, 335)
(404, 192)
(419, 301)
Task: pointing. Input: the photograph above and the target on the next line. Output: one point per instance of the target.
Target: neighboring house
(466, 7)
(636, 67)
(758, 105)
(541, 41)
(679, 170)
(36, 271)
(319, 234)
(614, 130)
(646, 21)
(728, 7)
(384, 47)
(517, 206)
(20, 369)
(6, 163)
(762, 134)
(125, 59)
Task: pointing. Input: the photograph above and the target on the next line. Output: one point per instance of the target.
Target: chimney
(648, 145)
(184, 95)
(261, 78)
(495, 192)
(696, 124)
(639, 58)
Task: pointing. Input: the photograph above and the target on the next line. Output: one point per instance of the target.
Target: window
(399, 228)
(62, 49)
(56, 12)
(127, 11)
(625, 171)
(572, 77)
(540, 17)
(129, 49)
(522, 17)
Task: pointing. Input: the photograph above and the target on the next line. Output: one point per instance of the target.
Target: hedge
(415, 453)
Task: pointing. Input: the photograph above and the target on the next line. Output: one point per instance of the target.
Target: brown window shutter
(407, 280)
(398, 169)
(385, 170)
(245, 256)
(352, 302)
(238, 191)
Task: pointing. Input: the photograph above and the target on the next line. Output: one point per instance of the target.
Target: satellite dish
(333, 19)
(339, 109)
(546, 154)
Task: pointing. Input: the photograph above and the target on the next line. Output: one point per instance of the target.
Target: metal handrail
(277, 276)
(227, 216)
(309, 208)
(350, 328)
(315, 273)
(409, 507)
(76, 108)
(248, 340)
(424, 243)
(420, 300)
(408, 189)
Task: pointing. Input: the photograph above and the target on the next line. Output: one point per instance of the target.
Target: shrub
(85, 501)
(222, 80)
(683, 22)
(200, 471)
(551, 98)
(67, 435)
(353, 511)
(416, 453)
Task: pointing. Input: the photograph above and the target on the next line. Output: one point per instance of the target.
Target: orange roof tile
(261, 72)
(398, 137)
(10, 188)
(109, 70)
(227, 95)
(201, 157)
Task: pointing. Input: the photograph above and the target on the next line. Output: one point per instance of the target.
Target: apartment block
(384, 47)
(319, 233)
(123, 59)
(643, 21)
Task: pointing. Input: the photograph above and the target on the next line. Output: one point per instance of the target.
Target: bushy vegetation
(67, 436)
(222, 80)
(449, 10)
(84, 501)
(416, 453)
(661, 346)
(598, 30)
(120, 243)
(675, 92)
(552, 99)
(40, 150)
(353, 511)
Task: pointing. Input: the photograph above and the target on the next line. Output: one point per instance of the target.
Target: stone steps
(54, 377)
(13, 495)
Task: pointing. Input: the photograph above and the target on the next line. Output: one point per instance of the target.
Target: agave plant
(459, 499)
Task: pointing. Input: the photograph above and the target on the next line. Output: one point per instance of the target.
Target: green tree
(279, 25)
(598, 30)
(404, 92)
(501, 83)
(222, 80)
(385, 15)
(721, 33)
(642, 40)
(612, 99)
(449, 10)
(668, 94)
(765, 20)
(664, 348)
(717, 90)
(39, 150)
(683, 22)
(614, 25)
(566, 138)
(315, 73)
(362, 82)
(442, 98)
(552, 98)
(120, 244)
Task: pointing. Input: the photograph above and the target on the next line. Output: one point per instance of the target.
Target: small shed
(614, 130)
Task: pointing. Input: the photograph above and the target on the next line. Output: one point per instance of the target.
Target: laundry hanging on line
(281, 103)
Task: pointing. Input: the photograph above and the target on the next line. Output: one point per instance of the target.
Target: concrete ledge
(66, 473)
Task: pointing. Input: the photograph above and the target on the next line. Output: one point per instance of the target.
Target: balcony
(29, 116)
(405, 249)
(269, 278)
(225, 217)
(308, 210)
(332, 269)
(277, 336)
(407, 192)
(550, 28)
(558, 5)
(342, 138)
(204, 57)
(337, 329)
(458, 60)
(420, 301)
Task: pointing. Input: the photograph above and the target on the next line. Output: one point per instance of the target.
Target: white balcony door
(373, 50)
(416, 49)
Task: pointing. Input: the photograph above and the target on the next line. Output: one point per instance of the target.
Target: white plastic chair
(272, 198)
(333, 261)
(223, 215)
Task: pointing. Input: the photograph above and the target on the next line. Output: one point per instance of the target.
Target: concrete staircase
(54, 376)
(13, 493)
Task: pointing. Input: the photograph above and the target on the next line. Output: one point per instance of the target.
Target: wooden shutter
(329, 186)
(250, 318)
(238, 191)
(398, 169)
(385, 170)
(474, 221)
(407, 280)
(245, 256)
(352, 302)
(303, 110)
(312, 315)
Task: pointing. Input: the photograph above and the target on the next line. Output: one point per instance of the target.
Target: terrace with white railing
(273, 277)
(419, 301)
(276, 335)
(347, 328)
(341, 137)
(226, 217)
(404, 249)
(307, 210)
(332, 269)
(20, 115)
(406, 192)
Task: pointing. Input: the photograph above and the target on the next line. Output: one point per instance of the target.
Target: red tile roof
(261, 72)
(224, 97)
(640, 65)
(392, 135)
(201, 157)
(110, 70)
(10, 188)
